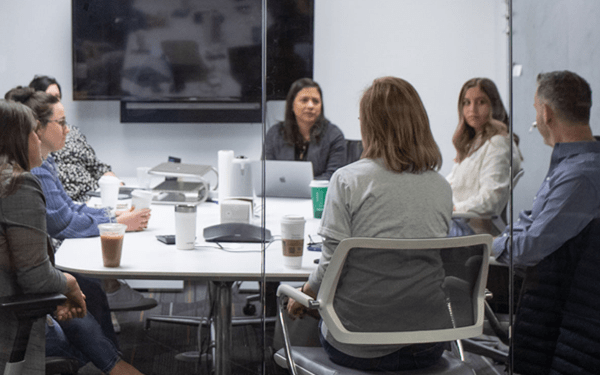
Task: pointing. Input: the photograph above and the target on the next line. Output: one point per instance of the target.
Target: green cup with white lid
(318, 191)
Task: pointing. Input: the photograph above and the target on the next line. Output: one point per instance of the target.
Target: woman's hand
(135, 220)
(75, 306)
(297, 310)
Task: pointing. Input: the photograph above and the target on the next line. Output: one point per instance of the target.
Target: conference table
(144, 257)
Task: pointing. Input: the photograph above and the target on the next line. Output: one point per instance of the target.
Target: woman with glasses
(481, 175)
(79, 168)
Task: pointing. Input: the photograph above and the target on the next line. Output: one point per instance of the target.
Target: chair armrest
(32, 305)
(290, 291)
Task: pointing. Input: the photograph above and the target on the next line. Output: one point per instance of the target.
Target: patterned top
(78, 166)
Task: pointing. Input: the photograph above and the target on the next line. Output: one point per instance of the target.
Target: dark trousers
(410, 357)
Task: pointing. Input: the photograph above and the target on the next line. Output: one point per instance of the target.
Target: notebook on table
(285, 179)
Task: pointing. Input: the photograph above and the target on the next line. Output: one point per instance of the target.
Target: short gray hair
(569, 94)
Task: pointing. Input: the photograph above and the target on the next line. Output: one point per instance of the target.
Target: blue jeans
(459, 227)
(82, 339)
(412, 357)
(97, 305)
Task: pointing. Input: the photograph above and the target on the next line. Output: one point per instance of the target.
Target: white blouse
(480, 183)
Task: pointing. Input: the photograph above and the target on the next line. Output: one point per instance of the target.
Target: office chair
(498, 222)
(27, 309)
(463, 288)
(354, 149)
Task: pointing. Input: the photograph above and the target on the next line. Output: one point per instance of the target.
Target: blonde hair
(395, 127)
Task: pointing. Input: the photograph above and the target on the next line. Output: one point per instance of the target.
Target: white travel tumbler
(185, 227)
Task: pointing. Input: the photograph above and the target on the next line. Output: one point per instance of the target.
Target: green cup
(318, 191)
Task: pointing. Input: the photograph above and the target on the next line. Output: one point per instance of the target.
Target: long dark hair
(291, 131)
(464, 136)
(16, 124)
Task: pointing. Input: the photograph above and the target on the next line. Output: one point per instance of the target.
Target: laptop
(284, 179)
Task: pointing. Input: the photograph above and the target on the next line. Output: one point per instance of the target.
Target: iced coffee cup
(292, 238)
(111, 238)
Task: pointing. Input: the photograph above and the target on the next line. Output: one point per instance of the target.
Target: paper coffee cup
(141, 199)
(109, 191)
(292, 240)
(111, 239)
(143, 177)
(318, 191)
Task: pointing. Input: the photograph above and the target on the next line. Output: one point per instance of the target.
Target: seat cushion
(314, 360)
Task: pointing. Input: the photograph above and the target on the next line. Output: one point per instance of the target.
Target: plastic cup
(292, 238)
(141, 199)
(109, 191)
(143, 177)
(185, 227)
(318, 191)
(111, 238)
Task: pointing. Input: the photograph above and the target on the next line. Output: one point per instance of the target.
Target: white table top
(144, 257)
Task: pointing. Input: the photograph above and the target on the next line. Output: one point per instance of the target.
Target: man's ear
(548, 115)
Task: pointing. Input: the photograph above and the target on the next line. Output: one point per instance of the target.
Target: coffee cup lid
(319, 183)
(293, 219)
(141, 193)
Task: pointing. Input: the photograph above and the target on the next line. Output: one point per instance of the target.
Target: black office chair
(27, 309)
(354, 149)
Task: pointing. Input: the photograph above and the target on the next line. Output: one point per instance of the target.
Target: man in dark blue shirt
(569, 197)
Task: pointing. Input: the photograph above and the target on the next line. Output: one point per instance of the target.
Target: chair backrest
(354, 149)
(504, 214)
(454, 255)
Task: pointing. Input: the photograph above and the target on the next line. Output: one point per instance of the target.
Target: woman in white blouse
(481, 172)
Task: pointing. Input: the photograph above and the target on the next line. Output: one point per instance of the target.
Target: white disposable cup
(109, 191)
(141, 199)
(292, 240)
(143, 177)
(185, 227)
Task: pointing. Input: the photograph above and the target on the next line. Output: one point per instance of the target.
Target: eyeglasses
(533, 126)
(62, 122)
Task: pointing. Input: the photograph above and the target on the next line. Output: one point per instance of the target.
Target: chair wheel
(249, 309)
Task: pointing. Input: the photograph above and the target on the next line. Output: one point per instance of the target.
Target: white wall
(434, 44)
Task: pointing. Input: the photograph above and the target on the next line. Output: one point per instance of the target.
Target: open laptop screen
(288, 179)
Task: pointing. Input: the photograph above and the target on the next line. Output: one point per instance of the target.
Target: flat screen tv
(188, 51)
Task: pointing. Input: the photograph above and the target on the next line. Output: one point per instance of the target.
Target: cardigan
(26, 264)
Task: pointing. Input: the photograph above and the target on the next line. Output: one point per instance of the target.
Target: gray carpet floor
(162, 348)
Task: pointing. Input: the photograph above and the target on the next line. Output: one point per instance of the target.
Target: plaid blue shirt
(66, 219)
(567, 201)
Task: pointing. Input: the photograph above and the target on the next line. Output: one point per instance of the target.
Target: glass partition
(435, 45)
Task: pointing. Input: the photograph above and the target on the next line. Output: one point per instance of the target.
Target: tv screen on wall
(188, 50)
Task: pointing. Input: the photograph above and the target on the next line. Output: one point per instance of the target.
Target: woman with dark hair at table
(393, 191)
(79, 168)
(305, 134)
(27, 257)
